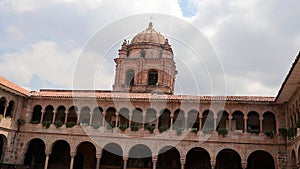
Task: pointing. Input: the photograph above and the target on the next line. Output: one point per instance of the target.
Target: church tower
(146, 64)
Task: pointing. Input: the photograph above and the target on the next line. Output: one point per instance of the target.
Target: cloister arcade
(6, 107)
(87, 155)
(236, 121)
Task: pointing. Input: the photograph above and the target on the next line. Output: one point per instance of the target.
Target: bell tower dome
(146, 64)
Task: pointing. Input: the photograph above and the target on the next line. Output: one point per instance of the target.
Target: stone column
(42, 118)
(229, 123)
(5, 108)
(244, 165)
(125, 162)
(261, 124)
(54, 116)
(143, 122)
(117, 114)
(98, 157)
(215, 122)
(103, 118)
(72, 159)
(91, 118)
(157, 121)
(245, 124)
(47, 152)
(213, 164)
(78, 118)
(200, 121)
(154, 161)
(185, 122)
(182, 162)
(171, 122)
(129, 123)
(66, 117)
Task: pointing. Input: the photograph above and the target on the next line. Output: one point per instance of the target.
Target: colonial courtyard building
(142, 124)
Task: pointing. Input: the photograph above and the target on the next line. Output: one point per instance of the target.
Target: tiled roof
(144, 96)
(105, 94)
(4, 83)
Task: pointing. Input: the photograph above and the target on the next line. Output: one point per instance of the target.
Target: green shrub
(58, 124)
(134, 127)
(35, 122)
(110, 126)
(96, 126)
(283, 132)
(298, 124)
(179, 131)
(222, 131)
(194, 130)
(207, 130)
(123, 127)
(70, 124)
(256, 131)
(20, 121)
(46, 124)
(269, 133)
(291, 132)
(162, 128)
(1, 117)
(150, 128)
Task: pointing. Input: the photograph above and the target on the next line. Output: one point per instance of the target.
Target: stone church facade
(142, 124)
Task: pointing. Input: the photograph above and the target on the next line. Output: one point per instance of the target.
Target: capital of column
(244, 165)
(215, 116)
(261, 118)
(117, 113)
(230, 117)
(98, 155)
(125, 158)
(154, 159)
(72, 154)
(172, 115)
(182, 160)
(245, 117)
(47, 152)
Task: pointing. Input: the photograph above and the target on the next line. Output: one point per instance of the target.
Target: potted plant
(110, 127)
(194, 130)
(134, 127)
(291, 132)
(35, 122)
(179, 131)
(222, 131)
(123, 127)
(150, 128)
(207, 130)
(162, 128)
(58, 124)
(46, 124)
(269, 133)
(283, 132)
(20, 121)
(70, 124)
(96, 126)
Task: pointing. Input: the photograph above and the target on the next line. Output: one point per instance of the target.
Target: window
(152, 77)
(130, 78)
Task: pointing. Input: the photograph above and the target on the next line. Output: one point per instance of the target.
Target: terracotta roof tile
(11, 86)
(115, 95)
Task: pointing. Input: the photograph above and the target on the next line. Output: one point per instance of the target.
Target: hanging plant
(222, 131)
(46, 124)
(21, 121)
(150, 128)
(70, 124)
(58, 124)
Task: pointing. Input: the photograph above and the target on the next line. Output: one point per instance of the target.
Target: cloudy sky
(256, 41)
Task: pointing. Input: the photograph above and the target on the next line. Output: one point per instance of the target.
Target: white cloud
(45, 59)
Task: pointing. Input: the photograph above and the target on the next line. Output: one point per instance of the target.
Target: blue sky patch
(188, 7)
